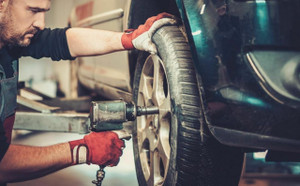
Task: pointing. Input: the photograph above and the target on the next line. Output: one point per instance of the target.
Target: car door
(108, 74)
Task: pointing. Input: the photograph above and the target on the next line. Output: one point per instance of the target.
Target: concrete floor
(79, 175)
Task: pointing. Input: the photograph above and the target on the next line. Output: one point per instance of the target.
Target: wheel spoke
(158, 73)
(150, 181)
(158, 179)
(165, 107)
(146, 87)
(164, 155)
(141, 132)
(152, 135)
(145, 131)
(155, 178)
(145, 143)
(163, 145)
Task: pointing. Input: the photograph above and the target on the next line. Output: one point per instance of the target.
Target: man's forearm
(25, 162)
(90, 42)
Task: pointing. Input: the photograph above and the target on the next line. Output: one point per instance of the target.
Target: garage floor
(122, 175)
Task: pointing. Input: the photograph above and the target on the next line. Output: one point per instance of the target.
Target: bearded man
(23, 33)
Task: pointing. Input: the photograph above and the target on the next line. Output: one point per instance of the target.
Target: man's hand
(141, 38)
(101, 148)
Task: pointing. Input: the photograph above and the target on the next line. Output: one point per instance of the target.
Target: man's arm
(22, 163)
(74, 42)
(26, 162)
(89, 42)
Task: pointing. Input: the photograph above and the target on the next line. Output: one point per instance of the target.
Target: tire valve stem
(99, 176)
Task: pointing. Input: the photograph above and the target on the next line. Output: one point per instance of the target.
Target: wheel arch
(140, 11)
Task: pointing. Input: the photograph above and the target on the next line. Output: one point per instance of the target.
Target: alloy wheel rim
(153, 131)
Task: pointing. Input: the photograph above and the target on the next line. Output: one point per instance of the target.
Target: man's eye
(33, 10)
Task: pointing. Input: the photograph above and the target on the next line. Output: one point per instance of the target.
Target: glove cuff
(79, 152)
(127, 40)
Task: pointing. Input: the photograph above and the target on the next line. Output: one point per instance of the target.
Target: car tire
(175, 147)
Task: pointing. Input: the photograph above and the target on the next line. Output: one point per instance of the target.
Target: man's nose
(39, 21)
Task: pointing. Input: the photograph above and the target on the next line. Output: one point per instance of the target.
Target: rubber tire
(196, 157)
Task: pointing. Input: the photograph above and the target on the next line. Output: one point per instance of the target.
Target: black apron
(8, 101)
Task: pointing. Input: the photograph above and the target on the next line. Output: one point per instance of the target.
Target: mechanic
(22, 30)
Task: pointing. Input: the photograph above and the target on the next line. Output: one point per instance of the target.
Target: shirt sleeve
(48, 43)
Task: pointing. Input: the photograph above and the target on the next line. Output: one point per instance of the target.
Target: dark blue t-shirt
(46, 43)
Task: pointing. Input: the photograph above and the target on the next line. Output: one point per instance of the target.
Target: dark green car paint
(239, 98)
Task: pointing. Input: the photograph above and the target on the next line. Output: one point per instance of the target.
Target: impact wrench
(110, 116)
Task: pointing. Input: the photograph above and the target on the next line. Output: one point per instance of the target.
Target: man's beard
(10, 37)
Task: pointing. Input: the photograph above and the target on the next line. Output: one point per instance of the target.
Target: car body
(245, 71)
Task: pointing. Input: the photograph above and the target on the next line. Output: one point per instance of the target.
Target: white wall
(44, 73)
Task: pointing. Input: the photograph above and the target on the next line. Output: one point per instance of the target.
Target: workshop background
(48, 77)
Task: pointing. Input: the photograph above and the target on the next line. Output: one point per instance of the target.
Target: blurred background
(53, 78)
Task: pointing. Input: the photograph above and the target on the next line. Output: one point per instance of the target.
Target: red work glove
(101, 148)
(141, 38)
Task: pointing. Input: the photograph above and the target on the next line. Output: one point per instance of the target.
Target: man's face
(21, 19)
